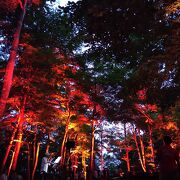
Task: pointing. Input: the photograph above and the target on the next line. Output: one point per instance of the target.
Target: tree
(14, 49)
(37, 91)
(12, 58)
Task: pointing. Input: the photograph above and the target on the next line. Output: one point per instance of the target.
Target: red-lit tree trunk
(47, 146)
(19, 136)
(34, 144)
(84, 164)
(92, 142)
(9, 147)
(92, 148)
(149, 122)
(63, 146)
(11, 62)
(151, 146)
(140, 151)
(10, 165)
(127, 159)
(65, 138)
(36, 160)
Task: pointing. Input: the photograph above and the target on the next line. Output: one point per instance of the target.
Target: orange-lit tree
(31, 82)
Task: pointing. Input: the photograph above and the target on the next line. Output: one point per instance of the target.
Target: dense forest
(95, 82)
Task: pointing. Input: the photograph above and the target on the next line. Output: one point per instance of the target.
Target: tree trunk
(36, 160)
(48, 141)
(19, 136)
(17, 147)
(63, 146)
(127, 149)
(151, 146)
(47, 148)
(12, 158)
(142, 150)
(127, 160)
(92, 148)
(34, 152)
(149, 121)
(9, 147)
(65, 139)
(64, 151)
(138, 150)
(84, 165)
(11, 63)
(34, 145)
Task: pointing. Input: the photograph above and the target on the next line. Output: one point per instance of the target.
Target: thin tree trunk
(48, 141)
(92, 149)
(36, 161)
(34, 145)
(65, 139)
(138, 150)
(84, 164)
(127, 149)
(47, 148)
(127, 160)
(19, 136)
(142, 150)
(34, 152)
(63, 148)
(9, 147)
(12, 158)
(151, 146)
(64, 151)
(17, 148)
(11, 63)
(149, 121)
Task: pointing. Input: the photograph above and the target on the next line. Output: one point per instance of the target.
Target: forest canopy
(103, 74)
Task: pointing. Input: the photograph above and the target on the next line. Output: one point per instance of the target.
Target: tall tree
(11, 62)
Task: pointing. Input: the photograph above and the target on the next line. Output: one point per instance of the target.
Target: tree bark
(92, 148)
(48, 142)
(12, 158)
(11, 63)
(63, 146)
(84, 164)
(36, 160)
(65, 139)
(138, 150)
(151, 146)
(9, 147)
(149, 122)
(19, 136)
(34, 152)
(34, 145)
(142, 150)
